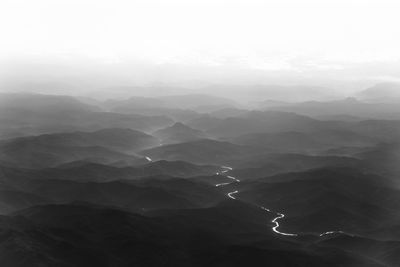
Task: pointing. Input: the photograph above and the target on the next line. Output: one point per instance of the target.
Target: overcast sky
(270, 35)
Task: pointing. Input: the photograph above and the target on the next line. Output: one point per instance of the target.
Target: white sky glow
(260, 34)
(86, 46)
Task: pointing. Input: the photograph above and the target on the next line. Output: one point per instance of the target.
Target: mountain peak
(179, 132)
(180, 125)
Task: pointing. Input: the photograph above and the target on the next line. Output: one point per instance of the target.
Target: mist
(96, 79)
(110, 49)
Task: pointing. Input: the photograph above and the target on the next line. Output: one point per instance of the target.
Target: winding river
(279, 216)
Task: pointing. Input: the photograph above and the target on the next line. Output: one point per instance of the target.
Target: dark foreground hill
(81, 235)
(26, 188)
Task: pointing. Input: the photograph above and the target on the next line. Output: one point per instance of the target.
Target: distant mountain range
(195, 102)
(26, 114)
(178, 107)
(348, 106)
(382, 92)
(49, 150)
(203, 151)
(256, 122)
(198, 180)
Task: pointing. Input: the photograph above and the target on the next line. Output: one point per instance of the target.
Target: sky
(358, 39)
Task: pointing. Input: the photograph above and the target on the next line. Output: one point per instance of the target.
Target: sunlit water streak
(231, 195)
(277, 218)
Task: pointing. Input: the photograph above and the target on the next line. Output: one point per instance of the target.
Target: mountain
(275, 163)
(349, 106)
(38, 103)
(196, 101)
(135, 102)
(101, 120)
(339, 117)
(20, 121)
(204, 122)
(385, 251)
(382, 159)
(178, 133)
(178, 168)
(178, 107)
(283, 142)
(195, 180)
(381, 92)
(199, 102)
(385, 131)
(99, 185)
(328, 199)
(174, 113)
(65, 235)
(204, 151)
(122, 140)
(11, 200)
(33, 153)
(189, 101)
(295, 93)
(227, 112)
(257, 122)
(153, 193)
(199, 194)
(87, 235)
(308, 143)
(95, 172)
(102, 146)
